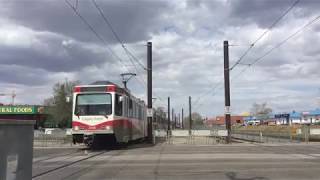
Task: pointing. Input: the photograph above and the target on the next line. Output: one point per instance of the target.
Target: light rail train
(104, 113)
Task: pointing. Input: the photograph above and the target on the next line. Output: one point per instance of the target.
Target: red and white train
(104, 113)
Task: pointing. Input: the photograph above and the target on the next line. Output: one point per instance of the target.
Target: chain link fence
(56, 137)
(273, 134)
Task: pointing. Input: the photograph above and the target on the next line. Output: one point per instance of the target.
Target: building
(304, 117)
(220, 120)
(296, 117)
(310, 117)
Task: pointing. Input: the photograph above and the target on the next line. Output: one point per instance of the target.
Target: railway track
(43, 174)
(67, 164)
(59, 155)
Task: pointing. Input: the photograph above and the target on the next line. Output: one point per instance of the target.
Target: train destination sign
(18, 110)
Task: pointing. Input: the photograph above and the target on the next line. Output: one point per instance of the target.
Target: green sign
(19, 110)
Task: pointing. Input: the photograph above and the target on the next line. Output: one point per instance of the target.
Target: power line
(131, 57)
(207, 92)
(280, 44)
(267, 53)
(101, 39)
(264, 55)
(285, 40)
(277, 21)
(95, 32)
(250, 48)
(264, 33)
(116, 35)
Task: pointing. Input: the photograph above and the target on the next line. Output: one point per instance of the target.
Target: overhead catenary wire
(264, 33)
(105, 19)
(131, 57)
(314, 20)
(207, 92)
(250, 48)
(95, 33)
(100, 38)
(127, 51)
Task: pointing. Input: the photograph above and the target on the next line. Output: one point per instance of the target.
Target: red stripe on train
(113, 123)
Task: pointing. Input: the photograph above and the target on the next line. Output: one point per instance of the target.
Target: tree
(196, 120)
(59, 110)
(160, 118)
(261, 111)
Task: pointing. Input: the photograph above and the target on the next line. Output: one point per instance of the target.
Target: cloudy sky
(43, 42)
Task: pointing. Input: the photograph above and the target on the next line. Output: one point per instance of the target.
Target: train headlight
(108, 127)
(76, 128)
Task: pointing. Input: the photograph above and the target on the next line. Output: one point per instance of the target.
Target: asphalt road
(163, 161)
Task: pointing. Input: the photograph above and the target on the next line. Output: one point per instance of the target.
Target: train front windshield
(93, 104)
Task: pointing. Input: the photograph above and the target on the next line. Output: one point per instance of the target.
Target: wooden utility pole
(227, 89)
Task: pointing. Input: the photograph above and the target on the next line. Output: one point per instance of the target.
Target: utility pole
(227, 89)
(182, 123)
(149, 91)
(169, 123)
(190, 118)
(179, 121)
(175, 121)
(172, 117)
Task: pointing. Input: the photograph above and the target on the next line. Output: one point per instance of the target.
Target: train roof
(107, 83)
(103, 83)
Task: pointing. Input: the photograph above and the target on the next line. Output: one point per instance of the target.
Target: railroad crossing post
(149, 91)
(227, 89)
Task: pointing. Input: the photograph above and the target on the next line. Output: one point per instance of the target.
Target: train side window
(134, 110)
(127, 100)
(130, 108)
(138, 111)
(118, 105)
(127, 106)
(124, 106)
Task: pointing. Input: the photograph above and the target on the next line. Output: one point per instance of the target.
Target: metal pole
(125, 84)
(179, 121)
(227, 89)
(172, 114)
(149, 94)
(182, 123)
(190, 118)
(175, 121)
(169, 123)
